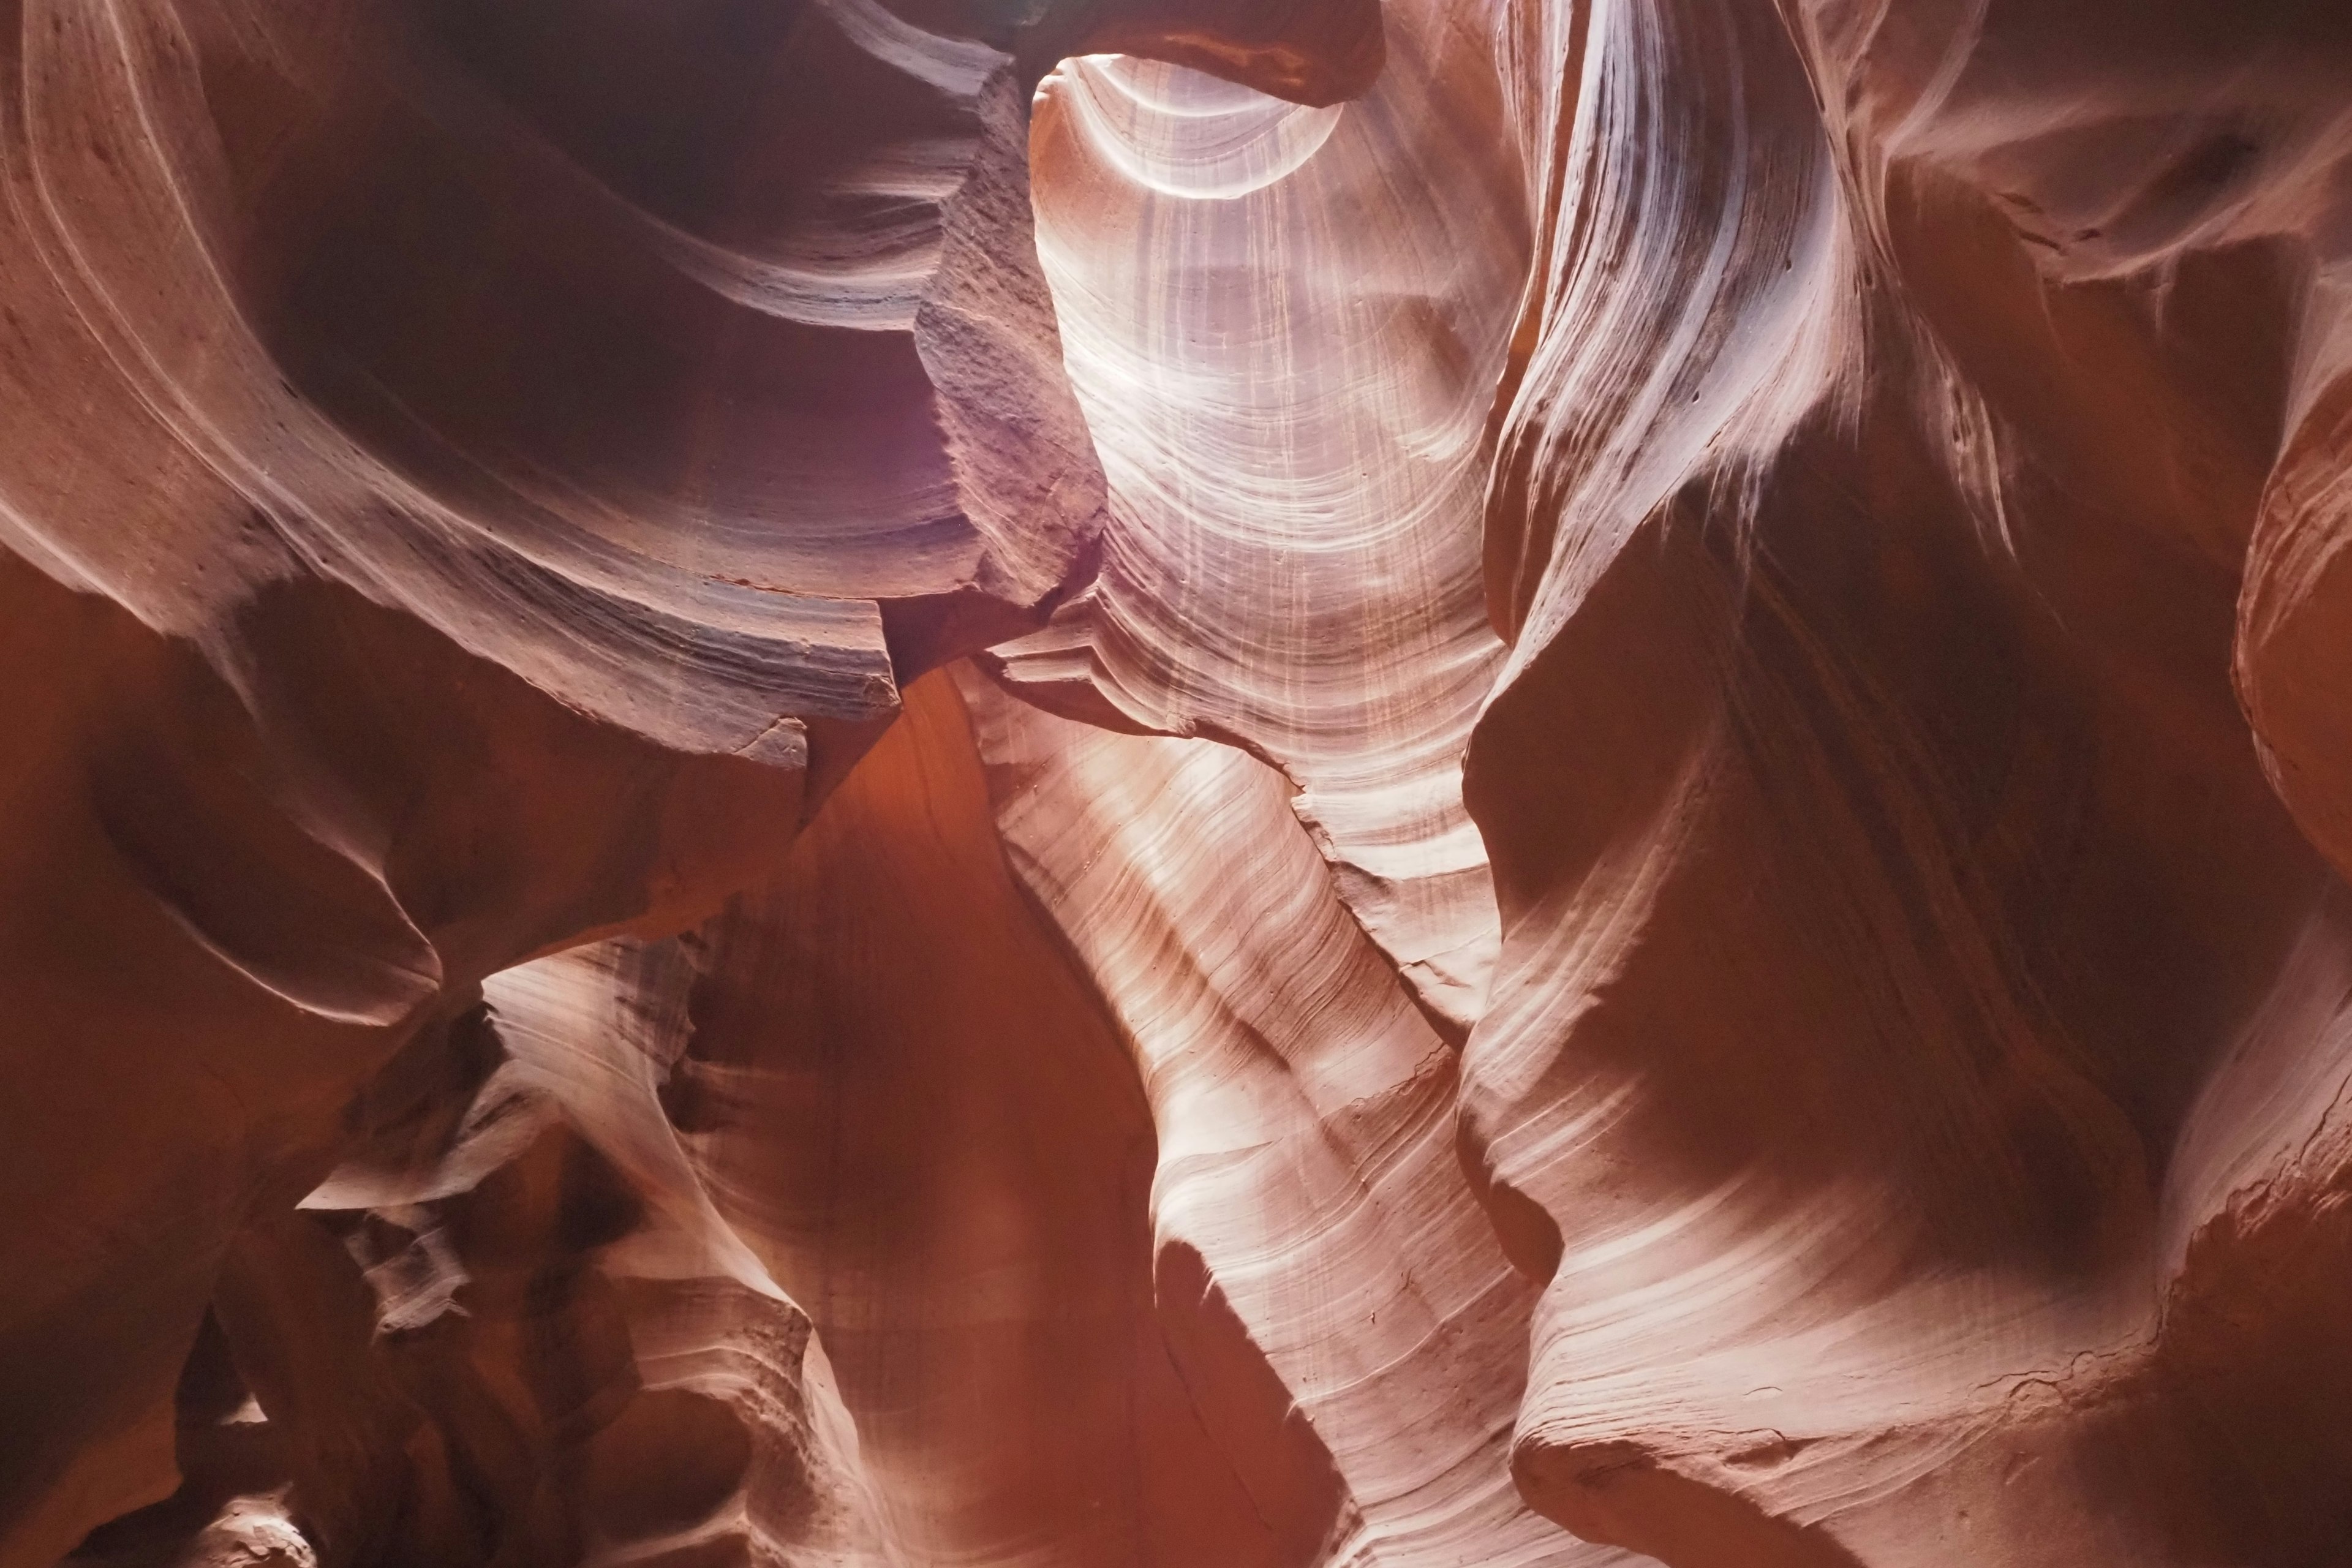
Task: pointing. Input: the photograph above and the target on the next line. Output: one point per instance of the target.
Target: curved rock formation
(1307, 1194)
(455, 510)
(1894, 1036)
(1294, 446)
(1096, 782)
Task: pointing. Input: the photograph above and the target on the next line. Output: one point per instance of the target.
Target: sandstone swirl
(1289, 783)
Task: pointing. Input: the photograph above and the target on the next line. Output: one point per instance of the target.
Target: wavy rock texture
(905, 1101)
(1171, 781)
(1902, 1038)
(474, 479)
(1294, 446)
(1307, 1184)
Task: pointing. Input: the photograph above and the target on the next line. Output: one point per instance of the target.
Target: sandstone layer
(1074, 783)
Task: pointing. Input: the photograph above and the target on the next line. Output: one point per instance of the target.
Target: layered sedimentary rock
(1295, 447)
(1307, 1198)
(474, 479)
(1176, 782)
(1901, 395)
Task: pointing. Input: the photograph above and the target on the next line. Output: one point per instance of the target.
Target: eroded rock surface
(1098, 782)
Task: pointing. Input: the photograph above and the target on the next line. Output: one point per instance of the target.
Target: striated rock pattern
(1294, 448)
(1176, 784)
(1889, 1064)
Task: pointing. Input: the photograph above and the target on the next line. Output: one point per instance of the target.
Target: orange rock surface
(1176, 784)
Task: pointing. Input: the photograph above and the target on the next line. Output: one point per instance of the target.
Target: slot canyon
(1176, 784)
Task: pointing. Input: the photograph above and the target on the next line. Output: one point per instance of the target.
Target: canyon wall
(1292, 783)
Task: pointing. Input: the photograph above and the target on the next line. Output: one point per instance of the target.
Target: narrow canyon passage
(1176, 784)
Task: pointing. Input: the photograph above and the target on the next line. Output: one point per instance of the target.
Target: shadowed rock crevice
(1175, 784)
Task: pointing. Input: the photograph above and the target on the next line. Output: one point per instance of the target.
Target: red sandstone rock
(1641, 851)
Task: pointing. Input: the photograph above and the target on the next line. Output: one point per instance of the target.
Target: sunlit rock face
(1294, 447)
(1098, 782)
(475, 479)
(1914, 1049)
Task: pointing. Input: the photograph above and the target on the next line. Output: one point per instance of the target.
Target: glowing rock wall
(1176, 782)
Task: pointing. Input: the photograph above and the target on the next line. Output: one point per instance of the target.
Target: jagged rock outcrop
(1169, 782)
